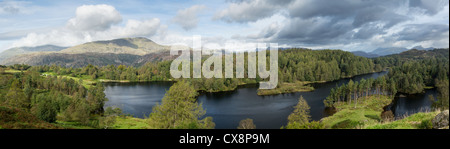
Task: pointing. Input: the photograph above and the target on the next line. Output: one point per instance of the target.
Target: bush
(387, 116)
(426, 124)
(313, 125)
(246, 124)
(46, 109)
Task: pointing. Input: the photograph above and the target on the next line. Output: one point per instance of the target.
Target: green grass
(428, 87)
(87, 81)
(71, 125)
(367, 112)
(286, 88)
(367, 115)
(416, 121)
(128, 122)
(13, 71)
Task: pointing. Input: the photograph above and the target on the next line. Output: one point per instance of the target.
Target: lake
(228, 108)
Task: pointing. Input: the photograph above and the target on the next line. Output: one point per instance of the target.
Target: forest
(295, 65)
(410, 72)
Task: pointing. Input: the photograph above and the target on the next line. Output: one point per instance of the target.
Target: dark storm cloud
(315, 31)
(423, 32)
(340, 22)
(378, 14)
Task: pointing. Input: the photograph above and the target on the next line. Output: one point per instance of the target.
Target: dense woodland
(354, 91)
(52, 98)
(294, 65)
(322, 65)
(410, 72)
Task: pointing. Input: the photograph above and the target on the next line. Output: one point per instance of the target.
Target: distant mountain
(422, 48)
(388, 51)
(365, 54)
(424, 54)
(127, 51)
(9, 53)
(134, 46)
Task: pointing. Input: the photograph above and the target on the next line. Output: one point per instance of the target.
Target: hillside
(424, 54)
(9, 53)
(421, 54)
(126, 51)
(14, 118)
(83, 59)
(134, 46)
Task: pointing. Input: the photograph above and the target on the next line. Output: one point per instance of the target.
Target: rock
(441, 120)
(401, 96)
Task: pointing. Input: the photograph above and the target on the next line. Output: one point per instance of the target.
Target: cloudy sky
(336, 24)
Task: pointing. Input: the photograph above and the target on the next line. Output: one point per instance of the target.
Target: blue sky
(346, 24)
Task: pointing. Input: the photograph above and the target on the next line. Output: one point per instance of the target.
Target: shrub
(426, 124)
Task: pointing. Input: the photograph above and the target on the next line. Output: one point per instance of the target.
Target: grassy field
(13, 71)
(367, 112)
(367, 115)
(72, 125)
(87, 81)
(128, 122)
(287, 88)
(415, 121)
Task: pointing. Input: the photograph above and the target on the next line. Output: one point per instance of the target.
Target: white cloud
(94, 17)
(187, 18)
(91, 23)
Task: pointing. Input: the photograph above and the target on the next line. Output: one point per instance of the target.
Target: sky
(351, 25)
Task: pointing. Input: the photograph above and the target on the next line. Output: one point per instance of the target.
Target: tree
(78, 110)
(300, 115)
(393, 88)
(16, 97)
(46, 108)
(443, 96)
(368, 86)
(97, 98)
(350, 89)
(179, 109)
(246, 124)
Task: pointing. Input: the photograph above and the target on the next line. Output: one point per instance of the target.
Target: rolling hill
(9, 53)
(135, 46)
(126, 51)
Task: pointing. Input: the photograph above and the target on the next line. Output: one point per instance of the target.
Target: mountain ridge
(136, 46)
(126, 51)
(12, 52)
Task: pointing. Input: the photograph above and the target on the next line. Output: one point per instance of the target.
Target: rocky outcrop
(441, 120)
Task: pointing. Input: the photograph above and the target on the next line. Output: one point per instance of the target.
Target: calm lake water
(404, 106)
(228, 108)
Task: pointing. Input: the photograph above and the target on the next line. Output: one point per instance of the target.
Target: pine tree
(179, 109)
(300, 115)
